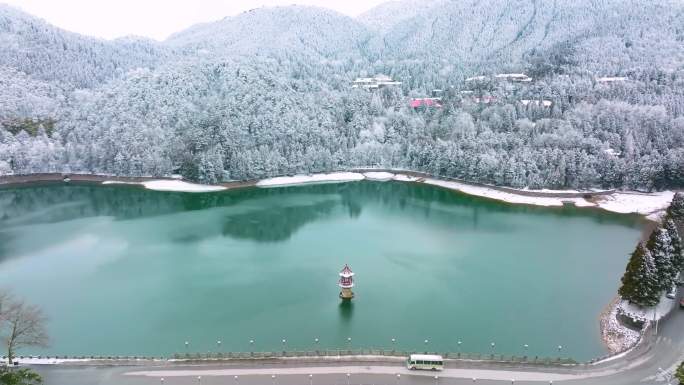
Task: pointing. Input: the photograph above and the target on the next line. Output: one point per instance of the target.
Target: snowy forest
(269, 92)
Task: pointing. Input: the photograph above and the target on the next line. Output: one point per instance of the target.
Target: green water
(123, 270)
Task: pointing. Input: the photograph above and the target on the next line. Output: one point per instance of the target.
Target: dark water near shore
(123, 270)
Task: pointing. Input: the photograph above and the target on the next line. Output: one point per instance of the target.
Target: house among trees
(543, 103)
(480, 78)
(611, 79)
(486, 99)
(417, 103)
(516, 78)
(612, 152)
(379, 81)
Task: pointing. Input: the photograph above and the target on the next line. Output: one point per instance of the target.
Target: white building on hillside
(379, 81)
(611, 79)
(519, 78)
(534, 102)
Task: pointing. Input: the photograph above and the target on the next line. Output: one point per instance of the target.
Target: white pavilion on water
(346, 283)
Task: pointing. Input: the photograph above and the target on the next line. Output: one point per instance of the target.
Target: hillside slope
(293, 29)
(45, 52)
(500, 33)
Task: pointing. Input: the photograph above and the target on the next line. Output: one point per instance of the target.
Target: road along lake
(120, 270)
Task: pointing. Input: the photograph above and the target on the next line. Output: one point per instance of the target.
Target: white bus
(425, 362)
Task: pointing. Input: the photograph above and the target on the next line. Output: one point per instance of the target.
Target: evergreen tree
(676, 241)
(676, 209)
(660, 246)
(640, 282)
(679, 374)
(23, 376)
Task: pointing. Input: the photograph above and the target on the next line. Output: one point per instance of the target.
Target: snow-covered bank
(617, 337)
(648, 204)
(172, 185)
(492, 193)
(379, 176)
(651, 205)
(405, 178)
(641, 203)
(335, 177)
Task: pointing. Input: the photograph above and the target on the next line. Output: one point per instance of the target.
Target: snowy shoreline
(170, 185)
(651, 205)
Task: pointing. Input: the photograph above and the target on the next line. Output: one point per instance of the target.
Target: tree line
(655, 265)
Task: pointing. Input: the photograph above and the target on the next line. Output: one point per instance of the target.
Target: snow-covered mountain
(503, 32)
(269, 92)
(386, 15)
(293, 29)
(48, 53)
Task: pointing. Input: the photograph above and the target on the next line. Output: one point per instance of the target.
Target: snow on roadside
(335, 177)
(171, 185)
(379, 176)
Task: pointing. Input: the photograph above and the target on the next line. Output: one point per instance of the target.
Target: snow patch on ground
(308, 179)
(640, 203)
(545, 190)
(172, 185)
(405, 178)
(178, 185)
(616, 336)
(379, 176)
(118, 182)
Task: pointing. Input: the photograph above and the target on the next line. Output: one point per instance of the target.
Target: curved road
(635, 368)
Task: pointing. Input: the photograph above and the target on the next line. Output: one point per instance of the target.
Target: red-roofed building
(425, 102)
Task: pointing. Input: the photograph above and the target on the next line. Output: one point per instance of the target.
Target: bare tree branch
(21, 325)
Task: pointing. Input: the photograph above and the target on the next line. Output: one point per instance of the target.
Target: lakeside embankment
(651, 205)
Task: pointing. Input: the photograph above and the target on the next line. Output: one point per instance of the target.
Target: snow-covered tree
(660, 246)
(640, 283)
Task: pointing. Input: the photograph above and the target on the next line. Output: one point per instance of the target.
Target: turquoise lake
(120, 270)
